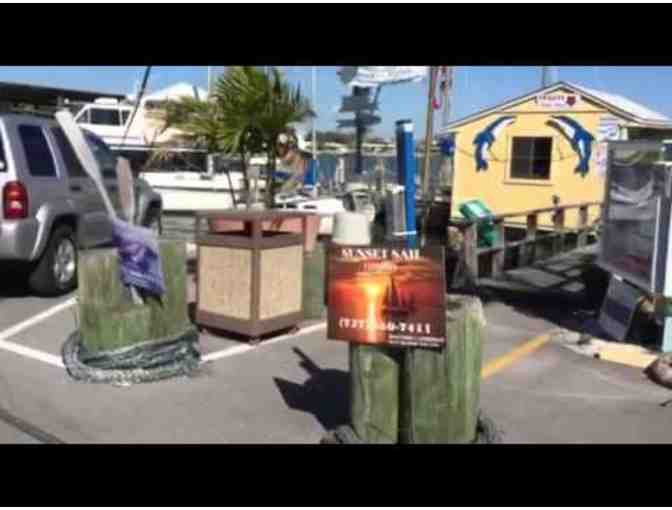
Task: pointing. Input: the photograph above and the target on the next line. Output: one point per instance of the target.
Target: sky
(476, 87)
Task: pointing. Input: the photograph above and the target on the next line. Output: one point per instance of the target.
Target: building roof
(625, 104)
(47, 96)
(632, 111)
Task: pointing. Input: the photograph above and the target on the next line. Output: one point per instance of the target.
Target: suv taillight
(15, 201)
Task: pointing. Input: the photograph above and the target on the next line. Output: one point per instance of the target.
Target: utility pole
(450, 70)
(426, 170)
(447, 163)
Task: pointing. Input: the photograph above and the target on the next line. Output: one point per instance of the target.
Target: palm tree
(199, 121)
(258, 108)
(208, 124)
(249, 109)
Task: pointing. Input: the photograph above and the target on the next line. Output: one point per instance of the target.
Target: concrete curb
(626, 354)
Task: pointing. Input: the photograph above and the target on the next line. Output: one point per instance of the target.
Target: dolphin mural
(487, 137)
(580, 139)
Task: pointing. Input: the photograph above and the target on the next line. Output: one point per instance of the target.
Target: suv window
(104, 117)
(72, 164)
(106, 159)
(3, 161)
(38, 155)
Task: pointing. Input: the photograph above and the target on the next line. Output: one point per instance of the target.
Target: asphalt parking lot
(293, 388)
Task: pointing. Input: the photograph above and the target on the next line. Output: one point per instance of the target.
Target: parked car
(50, 207)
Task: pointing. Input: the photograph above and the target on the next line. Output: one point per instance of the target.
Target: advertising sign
(387, 295)
(558, 100)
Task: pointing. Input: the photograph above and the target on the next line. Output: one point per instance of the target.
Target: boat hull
(192, 191)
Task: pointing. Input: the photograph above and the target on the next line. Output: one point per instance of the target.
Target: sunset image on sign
(386, 295)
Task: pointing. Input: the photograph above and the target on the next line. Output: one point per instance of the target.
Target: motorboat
(188, 179)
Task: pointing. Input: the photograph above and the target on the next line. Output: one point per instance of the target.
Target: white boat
(325, 207)
(186, 178)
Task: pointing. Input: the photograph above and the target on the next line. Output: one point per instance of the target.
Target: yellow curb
(626, 354)
(633, 355)
(525, 349)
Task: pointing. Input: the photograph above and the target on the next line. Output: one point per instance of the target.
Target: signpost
(386, 295)
(352, 104)
(365, 119)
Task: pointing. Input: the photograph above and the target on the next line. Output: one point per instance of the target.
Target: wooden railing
(526, 247)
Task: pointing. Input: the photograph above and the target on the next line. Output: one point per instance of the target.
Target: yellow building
(519, 155)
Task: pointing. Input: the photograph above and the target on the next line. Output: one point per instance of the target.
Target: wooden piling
(108, 318)
(440, 389)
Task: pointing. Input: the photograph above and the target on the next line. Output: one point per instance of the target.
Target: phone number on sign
(421, 328)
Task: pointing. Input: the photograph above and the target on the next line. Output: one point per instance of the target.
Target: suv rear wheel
(56, 272)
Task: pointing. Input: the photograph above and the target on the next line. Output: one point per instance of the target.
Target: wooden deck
(561, 277)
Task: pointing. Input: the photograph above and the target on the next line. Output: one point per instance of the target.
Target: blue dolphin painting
(580, 139)
(487, 137)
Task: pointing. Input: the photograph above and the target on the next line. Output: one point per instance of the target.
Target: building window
(104, 117)
(38, 155)
(83, 118)
(531, 158)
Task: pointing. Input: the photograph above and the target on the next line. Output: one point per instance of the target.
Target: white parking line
(239, 349)
(21, 326)
(51, 359)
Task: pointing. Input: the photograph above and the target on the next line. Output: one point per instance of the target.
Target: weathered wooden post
(108, 318)
(440, 388)
(313, 283)
(114, 319)
(374, 370)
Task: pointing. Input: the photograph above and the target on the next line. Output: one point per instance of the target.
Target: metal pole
(315, 111)
(359, 126)
(548, 75)
(426, 171)
(406, 176)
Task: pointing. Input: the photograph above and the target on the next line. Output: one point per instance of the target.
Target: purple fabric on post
(139, 257)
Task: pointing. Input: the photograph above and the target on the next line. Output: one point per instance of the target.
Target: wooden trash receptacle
(249, 281)
(297, 223)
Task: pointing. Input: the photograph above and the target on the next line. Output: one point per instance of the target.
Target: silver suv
(51, 207)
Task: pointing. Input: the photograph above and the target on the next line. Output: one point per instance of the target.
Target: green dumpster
(476, 210)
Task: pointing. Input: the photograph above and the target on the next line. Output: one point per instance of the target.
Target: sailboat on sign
(396, 305)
